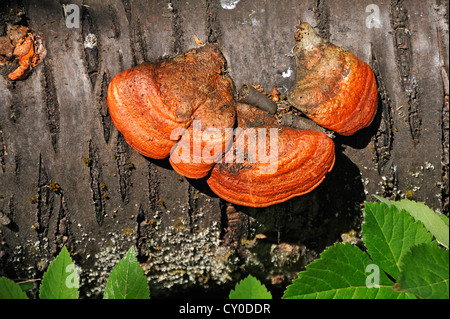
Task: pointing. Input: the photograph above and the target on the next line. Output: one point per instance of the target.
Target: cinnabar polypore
(333, 87)
(154, 105)
(302, 159)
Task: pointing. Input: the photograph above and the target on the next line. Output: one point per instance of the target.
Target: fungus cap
(154, 104)
(302, 160)
(333, 87)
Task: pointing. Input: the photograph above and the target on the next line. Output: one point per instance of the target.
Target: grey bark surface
(55, 128)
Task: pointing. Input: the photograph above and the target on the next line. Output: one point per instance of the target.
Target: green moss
(409, 194)
(54, 187)
(33, 200)
(179, 224)
(160, 202)
(87, 161)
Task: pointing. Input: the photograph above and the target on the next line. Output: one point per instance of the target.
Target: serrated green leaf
(388, 233)
(444, 218)
(436, 223)
(60, 281)
(343, 272)
(25, 286)
(250, 288)
(383, 200)
(127, 280)
(10, 290)
(425, 271)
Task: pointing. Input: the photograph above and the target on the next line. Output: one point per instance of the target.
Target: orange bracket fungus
(184, 108)
(162, 107)
(21, 44)
(259, 178)
(333, 87)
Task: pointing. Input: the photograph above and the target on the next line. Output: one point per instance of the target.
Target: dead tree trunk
(67, 177)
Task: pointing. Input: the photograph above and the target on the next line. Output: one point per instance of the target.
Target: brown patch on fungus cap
(206, 140)
(303, 158)
(333, 87)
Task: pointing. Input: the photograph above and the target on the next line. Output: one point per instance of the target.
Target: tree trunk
(67, 177)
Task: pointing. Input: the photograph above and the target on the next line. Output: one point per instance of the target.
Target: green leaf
(127, 280)
(60, 281)
(384, 200)
(10, 290)
(25, 286)
(389, 233)
(436, 223)
(424, 271)
(343, 272)
(250, 288)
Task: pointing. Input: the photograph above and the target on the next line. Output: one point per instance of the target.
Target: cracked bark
(385, 133)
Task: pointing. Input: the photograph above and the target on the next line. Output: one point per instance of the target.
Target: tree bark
(67, 176)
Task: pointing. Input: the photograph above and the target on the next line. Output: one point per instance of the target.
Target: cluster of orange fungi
(151, 101)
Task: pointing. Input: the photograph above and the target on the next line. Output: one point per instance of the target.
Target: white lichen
(229, 4)
(287, 74)
(90, 41)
